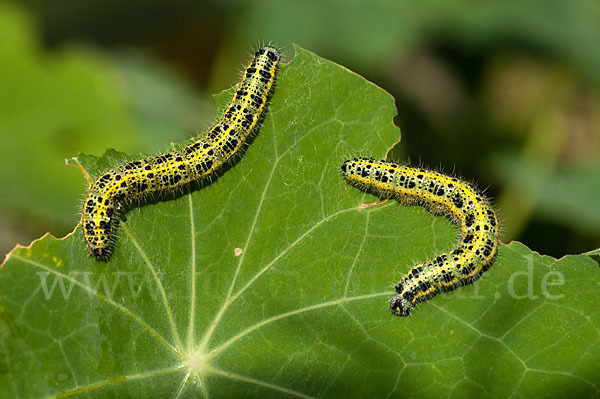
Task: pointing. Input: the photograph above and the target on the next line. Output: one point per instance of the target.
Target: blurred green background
(506, 94)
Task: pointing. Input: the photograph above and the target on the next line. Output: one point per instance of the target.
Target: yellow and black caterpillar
(440, 193)
(177, 168)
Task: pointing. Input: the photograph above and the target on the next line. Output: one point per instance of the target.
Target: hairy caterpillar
(177, 168)
(441, 194)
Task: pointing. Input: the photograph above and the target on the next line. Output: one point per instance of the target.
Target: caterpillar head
(400, 306)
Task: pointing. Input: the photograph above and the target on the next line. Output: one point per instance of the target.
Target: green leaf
(303, 310)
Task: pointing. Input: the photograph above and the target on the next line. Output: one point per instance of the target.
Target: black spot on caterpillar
(174, 169)
(466, 206)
